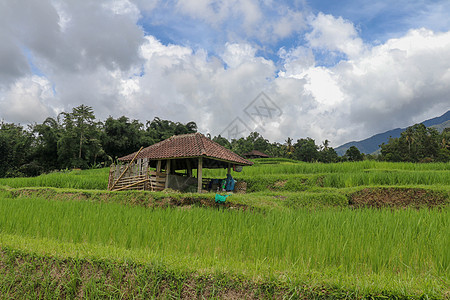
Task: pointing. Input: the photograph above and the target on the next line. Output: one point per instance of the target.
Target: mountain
(370, 145)
(442, 126)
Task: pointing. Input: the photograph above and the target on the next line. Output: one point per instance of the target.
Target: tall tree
(416, 144)
(16, 150)
(289, 148)
(79, 144)
(327, 154)
(84, 119)
(222, 141)
(122, 136)
(46, 149)
(158, 130)
(353, 154)
(306, 150)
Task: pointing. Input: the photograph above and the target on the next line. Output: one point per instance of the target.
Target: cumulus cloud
(13, 63)
(334, 34)
(25, 101)
(238, 20)
(189, 85)
(77, 46)
(58, 55)
(402, 81)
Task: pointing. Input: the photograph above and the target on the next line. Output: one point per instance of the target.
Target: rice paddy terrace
(347, 230)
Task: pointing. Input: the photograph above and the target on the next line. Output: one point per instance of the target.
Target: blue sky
(337, 70)
(375, 21)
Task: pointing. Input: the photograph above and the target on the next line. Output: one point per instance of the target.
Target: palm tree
(289, 147)
(83, 116)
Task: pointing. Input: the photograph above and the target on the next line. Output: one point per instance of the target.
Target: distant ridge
(371, 145)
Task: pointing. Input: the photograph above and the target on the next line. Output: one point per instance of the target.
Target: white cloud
(26, 101)
(334, 34)
(402, 81)
(93, 54)
(268, 21)
(236, 54)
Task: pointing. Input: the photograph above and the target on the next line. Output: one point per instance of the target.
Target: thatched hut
(158, 166)
(255, 154)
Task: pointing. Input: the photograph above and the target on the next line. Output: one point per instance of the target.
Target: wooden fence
(135, 176)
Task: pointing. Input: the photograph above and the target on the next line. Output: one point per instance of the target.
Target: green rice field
(297, 233)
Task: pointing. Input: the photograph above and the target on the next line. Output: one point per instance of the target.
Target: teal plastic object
(220, 198)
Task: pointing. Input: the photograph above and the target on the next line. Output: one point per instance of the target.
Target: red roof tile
(188, 145)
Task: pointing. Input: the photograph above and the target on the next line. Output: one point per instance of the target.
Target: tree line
(77, 140)
(418, 144)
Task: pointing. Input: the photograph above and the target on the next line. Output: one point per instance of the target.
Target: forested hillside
(373, 143)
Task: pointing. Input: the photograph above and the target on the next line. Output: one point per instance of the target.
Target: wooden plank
(126, 168)
(160, 185)
(134, 178)
(167, 172)
(159, 179)
(130, 185)
(199, 174)
(158, 166)
(153, 173)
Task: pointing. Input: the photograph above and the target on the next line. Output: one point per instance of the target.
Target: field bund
(349, 230)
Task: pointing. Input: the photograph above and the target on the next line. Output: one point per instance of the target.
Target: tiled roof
(188, 145)
(255, 153)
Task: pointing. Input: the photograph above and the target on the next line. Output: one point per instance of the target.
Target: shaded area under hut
(170, 164)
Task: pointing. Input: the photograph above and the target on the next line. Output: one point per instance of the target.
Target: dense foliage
(418, 144)
(77, 140)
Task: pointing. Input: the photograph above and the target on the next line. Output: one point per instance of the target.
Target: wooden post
(199, 174)
(189, 167)
(145, 172)
(167, 173)
(229, 169)
(158, 166)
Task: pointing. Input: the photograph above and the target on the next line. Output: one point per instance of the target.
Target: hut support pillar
(189, 168)
(199, 174)
(158, 166)
(167, 173)
(229, 169)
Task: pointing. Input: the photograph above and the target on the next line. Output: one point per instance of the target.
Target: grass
(264, 167)
(96, 179)
(299, 239)
(33, 276)
(266, 172)
(340, 244)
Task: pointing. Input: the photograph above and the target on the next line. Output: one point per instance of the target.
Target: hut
(170, 164)
(255, 154)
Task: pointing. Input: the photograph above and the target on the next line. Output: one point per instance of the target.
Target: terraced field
(347, 230)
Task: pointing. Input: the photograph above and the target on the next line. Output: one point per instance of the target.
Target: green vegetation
(410, 244)
(303, 230)
(96, 179)
(418, 144)
(77, 140)
(294, 176)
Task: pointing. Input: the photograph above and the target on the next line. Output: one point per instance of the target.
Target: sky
(325, 69)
